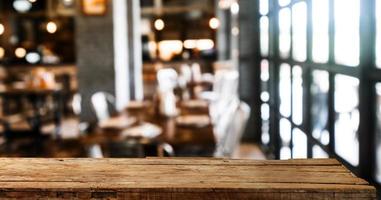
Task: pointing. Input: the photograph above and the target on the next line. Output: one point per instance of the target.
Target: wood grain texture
(179, 178)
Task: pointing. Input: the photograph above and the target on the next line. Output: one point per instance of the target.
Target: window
(264, 7)
(319, 108)
(285, 90)
(320, 32)
(299, 31)
(297, 95)
(264, 23)
(299, 141)
(378, 33)
(318, 152)
(284, 2)
(347, 118)
(378, 131)
(319, 75)
(285, 32)
(347, 38)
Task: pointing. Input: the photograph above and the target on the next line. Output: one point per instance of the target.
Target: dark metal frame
(366, 72)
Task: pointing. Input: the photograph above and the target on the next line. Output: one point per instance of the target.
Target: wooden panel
(180, 178)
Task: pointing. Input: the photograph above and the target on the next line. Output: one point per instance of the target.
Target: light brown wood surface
(178, 178)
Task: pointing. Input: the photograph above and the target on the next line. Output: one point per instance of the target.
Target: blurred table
(187, 140)
(196, 178)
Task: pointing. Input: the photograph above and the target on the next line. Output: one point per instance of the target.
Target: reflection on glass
(319, 109)
(285, 90)
(299, 141)
(264, 26)
(347, 36)
(265, 111)
(284, 2)
(318, 152)
(265, 132)
(285, 131)
(378, 33)
(297, 95)
(264, 7)
(284, 32)
(378, 135)
(299, 31)
(347, 118)
(320, 24)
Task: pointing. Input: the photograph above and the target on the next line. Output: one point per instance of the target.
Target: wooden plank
(180, 178)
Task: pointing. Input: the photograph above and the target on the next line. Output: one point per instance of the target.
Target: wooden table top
(164, 178)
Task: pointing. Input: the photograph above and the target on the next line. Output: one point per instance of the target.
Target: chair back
(167, 79)
(226, 90)
(103, 104)
(233, 131)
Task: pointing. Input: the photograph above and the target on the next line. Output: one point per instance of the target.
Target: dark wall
(95, 57)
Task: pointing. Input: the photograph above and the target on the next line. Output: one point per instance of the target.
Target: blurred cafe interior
(246, 79)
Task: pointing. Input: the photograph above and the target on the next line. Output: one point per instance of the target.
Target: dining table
(37, 97)
(190, 133)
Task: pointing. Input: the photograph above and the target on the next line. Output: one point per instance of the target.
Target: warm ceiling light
(205, 44)
(20, 52)
(51, 27)
(2, 29)
(159, 24)
(67, 2)
(32, 1)
(214, 23)
(190, 44)
(2, 53)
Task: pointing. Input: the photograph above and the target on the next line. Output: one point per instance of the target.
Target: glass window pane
(265, 132)
(299, 141)
(265, 74)
(264, 7)
(285, 131)
(285, 90)
(378, 134)
(318, 152)
(285, 153)
(299, 31)
(347, 36)
(320, 25)
(284, 32)
(319, 109)
(297, 95)
(347, 118)
(284, 2)
(264, 26)
(378, 35)
(265, 111)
